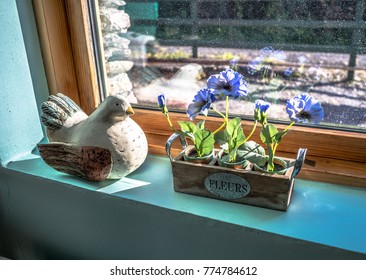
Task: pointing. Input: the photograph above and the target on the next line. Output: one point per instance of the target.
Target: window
(333, 155)
(300, 52)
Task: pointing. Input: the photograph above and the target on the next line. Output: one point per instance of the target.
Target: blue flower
(305, 109)
(267, 56)
(162, 104)
(201, 103)
(262, 105)
(228, 82)
(161, 101)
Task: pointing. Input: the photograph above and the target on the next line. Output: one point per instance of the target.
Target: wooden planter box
(237, 185)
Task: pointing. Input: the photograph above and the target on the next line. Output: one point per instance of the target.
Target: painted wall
(20, 126)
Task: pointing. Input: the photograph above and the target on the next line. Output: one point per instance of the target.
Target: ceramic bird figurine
(108, 144)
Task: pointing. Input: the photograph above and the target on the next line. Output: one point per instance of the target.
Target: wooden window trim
(63, 27)
(333, 156)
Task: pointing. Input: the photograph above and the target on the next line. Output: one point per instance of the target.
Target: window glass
(282, 48)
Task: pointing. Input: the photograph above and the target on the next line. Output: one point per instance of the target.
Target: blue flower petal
(161, 101)
(305, 109)
(228, 82)
(262, 105)
(201, 103)
(193, 110)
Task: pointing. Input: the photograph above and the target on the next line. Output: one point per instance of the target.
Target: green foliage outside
(296, 10)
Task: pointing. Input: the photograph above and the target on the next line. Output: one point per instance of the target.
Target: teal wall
(20, 128)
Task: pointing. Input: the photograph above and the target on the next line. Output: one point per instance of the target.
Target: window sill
(326, 215)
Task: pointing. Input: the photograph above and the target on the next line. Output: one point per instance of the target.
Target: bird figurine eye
(117, 104)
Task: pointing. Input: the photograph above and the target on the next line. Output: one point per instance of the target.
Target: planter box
(237, 185)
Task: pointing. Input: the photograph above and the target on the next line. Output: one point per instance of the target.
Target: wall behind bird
(20, 128)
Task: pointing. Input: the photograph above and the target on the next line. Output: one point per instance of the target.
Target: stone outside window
(117, 53)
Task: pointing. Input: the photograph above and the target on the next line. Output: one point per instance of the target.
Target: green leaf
(234, 133)
(268, 134)
(232, 127)
(253, 152)
(279, 135)
(240, 138)
(204, 142)
(201, 124)
(188, 127)
(221, 139)
(232, 155)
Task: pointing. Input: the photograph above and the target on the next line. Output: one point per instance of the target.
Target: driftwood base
(89, 162)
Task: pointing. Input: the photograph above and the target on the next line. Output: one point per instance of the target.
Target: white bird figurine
(106, 145)
(179, 89)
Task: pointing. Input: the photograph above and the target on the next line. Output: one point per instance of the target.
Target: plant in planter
(266, 188)
(232, 140)
(301, 109)
(230, 136)
(201, 137)
(230, 84)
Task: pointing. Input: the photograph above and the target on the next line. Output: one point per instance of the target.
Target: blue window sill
(323, 214)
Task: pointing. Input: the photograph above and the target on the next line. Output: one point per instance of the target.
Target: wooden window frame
(333, 156)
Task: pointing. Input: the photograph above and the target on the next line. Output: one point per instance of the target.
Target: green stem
(221, 127)
(276, 144)
(289, 126)
(172, 126)
(270, 165)
(253, 129)
(223, 116)
(250, 134)
(217, 112)
(227, 108)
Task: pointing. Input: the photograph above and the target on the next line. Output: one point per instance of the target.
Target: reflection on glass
(282, 48)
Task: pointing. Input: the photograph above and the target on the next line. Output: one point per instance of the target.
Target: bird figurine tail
(60, 111)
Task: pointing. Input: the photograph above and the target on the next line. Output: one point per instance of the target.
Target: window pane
(172, 47)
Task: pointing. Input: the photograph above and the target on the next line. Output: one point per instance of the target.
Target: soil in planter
(193, 154)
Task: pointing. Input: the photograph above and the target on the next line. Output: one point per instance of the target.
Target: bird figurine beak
(130, 111)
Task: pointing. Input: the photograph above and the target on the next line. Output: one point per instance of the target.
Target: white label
(226, 185)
